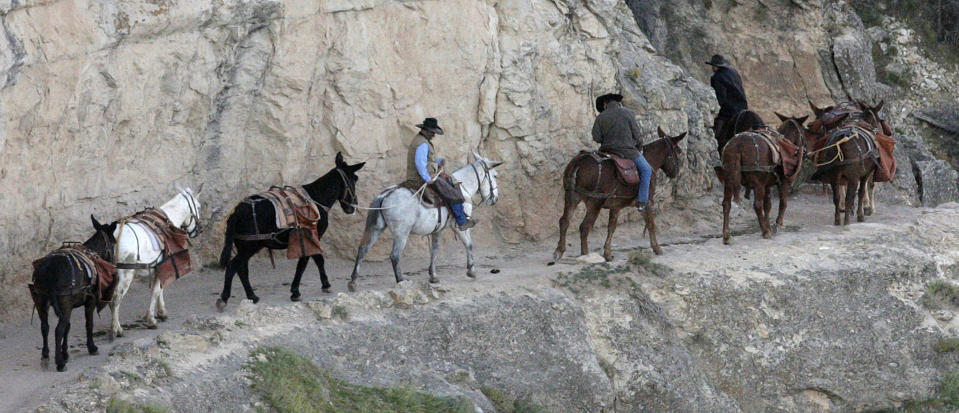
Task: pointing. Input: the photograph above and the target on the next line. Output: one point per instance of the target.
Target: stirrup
(470, 223)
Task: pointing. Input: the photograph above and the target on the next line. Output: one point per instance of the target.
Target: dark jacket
(616, 131)
(729, 91)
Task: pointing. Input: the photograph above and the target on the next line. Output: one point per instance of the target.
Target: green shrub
(290, 382)
(946, 345)
(115, 405)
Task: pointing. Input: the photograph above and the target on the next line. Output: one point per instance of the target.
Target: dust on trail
(690, 236)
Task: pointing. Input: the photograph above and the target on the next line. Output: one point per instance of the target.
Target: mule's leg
(244, 272)
(295, 286)
(570, 202)
(370, 235)
(399, 243)
(767, 208)
(843, 185)
(759, 207)
(611, 228)
(863, 193)
(124, 279)
(728, 189)
(227, 283)
(88, 313)
(870, 195)
(650, 217)
(592, 212)
(44, 314)
(835, 201)
(467, 239)
(852, 187)
(60, 337)
(321, 267)
(434, 249)
(783, 196)
(154, 297)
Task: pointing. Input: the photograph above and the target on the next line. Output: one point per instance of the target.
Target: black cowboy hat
(431, 125)
(609, 97)
(718, 61)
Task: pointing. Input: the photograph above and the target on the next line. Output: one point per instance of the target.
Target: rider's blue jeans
(645, 174)
(458, 213)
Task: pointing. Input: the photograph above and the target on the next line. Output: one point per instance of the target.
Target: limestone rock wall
(107, 106)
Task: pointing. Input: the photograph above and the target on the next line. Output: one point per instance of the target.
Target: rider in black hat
(616, 131)
(423, 166)
(729, 91)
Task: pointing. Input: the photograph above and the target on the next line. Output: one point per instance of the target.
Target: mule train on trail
(400, 209)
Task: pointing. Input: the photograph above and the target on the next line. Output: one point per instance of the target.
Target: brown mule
(597, 184)
(830, 118)
(849, 156)
(749, 160)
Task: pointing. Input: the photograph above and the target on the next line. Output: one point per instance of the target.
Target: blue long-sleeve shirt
(421, 159)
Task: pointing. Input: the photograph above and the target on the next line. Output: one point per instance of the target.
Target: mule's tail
(732, 171)
(228, 239)
(45, 279)
(375, 218)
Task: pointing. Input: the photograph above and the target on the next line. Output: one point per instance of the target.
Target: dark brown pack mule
(849, 156)
(599, 186)
(73, 276)
(761, 159)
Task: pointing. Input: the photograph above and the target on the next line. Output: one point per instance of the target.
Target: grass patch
(290, 382)
(946, 400)
(115, 405)
(506, 404)
(940, 293)
(340, 312)
(597, 274)
(946, 345)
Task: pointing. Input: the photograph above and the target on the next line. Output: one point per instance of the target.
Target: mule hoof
(162, 317)
(351, 286)
(471, 274)
(295, 298)
(327, 290)
(557, 255)
(609, 258)
(45, 362)
(62, 367)
(867, 211)
(94, 351)
(658, 251)
(220, 304)
(255, 299)
(775, 229)
(151, 326)
(434, 280)
(860, 219)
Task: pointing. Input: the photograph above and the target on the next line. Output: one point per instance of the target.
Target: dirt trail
(25, 385)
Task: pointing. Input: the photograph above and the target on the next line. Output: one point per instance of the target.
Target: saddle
(174, 242)
(295, 211)
(84, 261)
(439, 194)
(625, 168)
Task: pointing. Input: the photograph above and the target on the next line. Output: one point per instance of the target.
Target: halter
(673, 161)
(194, 215)
(802, 133)
(348, 190)
(479, 181)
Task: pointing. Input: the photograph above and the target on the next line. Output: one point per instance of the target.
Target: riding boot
(463, 222)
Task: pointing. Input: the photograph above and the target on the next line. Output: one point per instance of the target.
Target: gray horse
(400, 210)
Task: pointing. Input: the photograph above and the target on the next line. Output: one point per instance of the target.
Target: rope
(417, 195)
(839, 154)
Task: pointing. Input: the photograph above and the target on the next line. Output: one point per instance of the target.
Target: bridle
(672, 161)
(194, 215)
(479, 182)
(802, 133)
(349, 192)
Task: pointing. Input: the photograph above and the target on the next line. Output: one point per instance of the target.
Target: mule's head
(102, 241)
(347, 197)
(191, 204)
(665, 153)
(793, 129)
(871, 114)
(488, 187)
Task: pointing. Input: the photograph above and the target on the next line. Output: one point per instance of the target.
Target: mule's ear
(879, 106)
(678, 138)
(476, 155)
(659, 130)
(356, 167)
(109, 229)
(495, 164)
(802, 120)
(818, 112)
(782, 118)
(96, 224)
(200, 189)
(339, 160)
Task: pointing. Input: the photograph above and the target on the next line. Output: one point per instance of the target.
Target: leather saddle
(625, 168)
